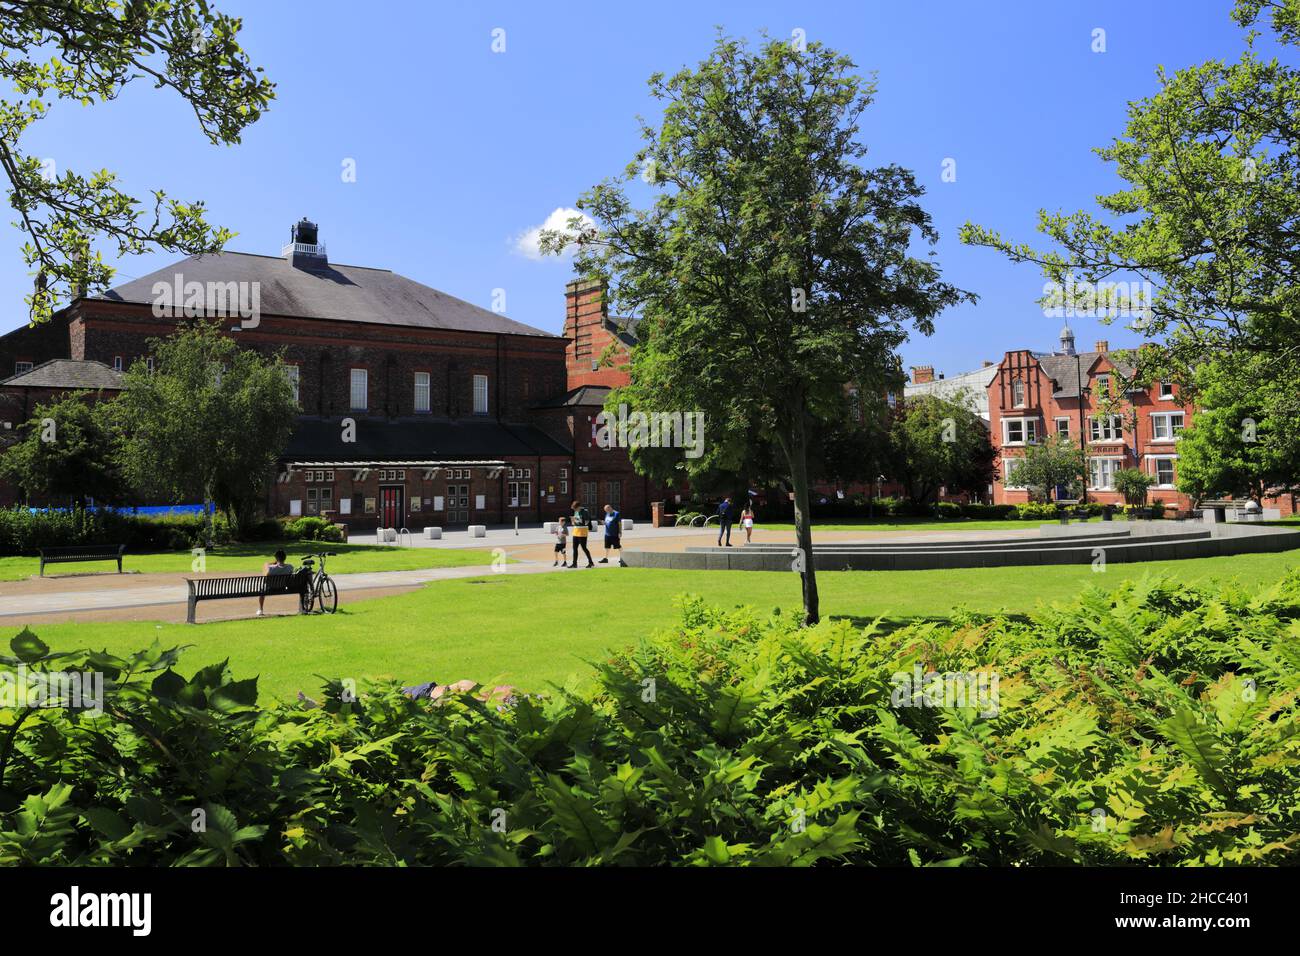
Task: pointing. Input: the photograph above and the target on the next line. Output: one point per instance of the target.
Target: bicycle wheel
(328, 596)
(305, 597)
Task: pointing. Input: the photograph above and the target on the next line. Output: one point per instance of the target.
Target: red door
(390, 508)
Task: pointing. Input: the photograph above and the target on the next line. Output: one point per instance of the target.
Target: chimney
(922, 374)
(986, 364)
(1103, 346)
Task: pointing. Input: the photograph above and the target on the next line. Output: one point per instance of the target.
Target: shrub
(312, 528)
(1133, 483)
(1036, 511)
(1153, 724)
(23, 531)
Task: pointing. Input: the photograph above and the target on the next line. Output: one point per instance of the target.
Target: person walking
(724, 520)
(747, 522)
(613, 534)
(561, 536)
(581, 526)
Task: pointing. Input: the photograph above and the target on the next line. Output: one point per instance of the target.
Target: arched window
(1018, 392)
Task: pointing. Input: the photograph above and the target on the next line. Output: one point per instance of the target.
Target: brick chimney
(1103, 345)
(986, 364)
(922, 374)
(590, 331)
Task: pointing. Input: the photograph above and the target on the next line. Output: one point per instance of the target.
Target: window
(1166, 390)
(891, 399)
(1166, 426)
(20, 367)
(148, 363)
(1106, 428)
(1018, 392)
(1101, 472)
(1009, 468)
(1164, 471)
(564, 481)
(311, 501)
(590, 492)
(291, 373)
(1062, 426)
(480, 395)
(421, 391)
(520, 493)
(1103, 385)
(117, 363)
(360, 390)
(615, 492)
(1019, 431)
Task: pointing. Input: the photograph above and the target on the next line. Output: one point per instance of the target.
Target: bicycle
(321, 589)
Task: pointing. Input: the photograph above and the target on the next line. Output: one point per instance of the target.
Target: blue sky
(460, 150)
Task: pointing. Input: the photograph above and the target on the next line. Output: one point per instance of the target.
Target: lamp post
(1083, 441)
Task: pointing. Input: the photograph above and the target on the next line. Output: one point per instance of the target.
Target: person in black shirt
(581, 527)
(724, 521)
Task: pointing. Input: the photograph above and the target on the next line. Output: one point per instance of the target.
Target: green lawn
(251, 557)
(537, 629)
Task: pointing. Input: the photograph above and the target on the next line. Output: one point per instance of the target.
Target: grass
(351, 558)
(537, 629)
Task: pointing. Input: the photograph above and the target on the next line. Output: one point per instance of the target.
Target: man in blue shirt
(724, 520)
(613, 533)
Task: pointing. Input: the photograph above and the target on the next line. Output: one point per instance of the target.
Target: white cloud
(527, 243)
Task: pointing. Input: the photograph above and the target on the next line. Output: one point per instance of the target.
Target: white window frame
(1115, 463)
(359, 384)
(1166, 420)
(1028, 427)
(1056, 422)
(292, 373)
(1018, 392)
(422, 392)
(21, 367)
(520, 494)
(1173, 471)
(1104, 429)
(1008, 471)
(480, 394)
(1166, 390)
(117, 363)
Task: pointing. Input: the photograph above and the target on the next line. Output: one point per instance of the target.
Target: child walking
(561, 536)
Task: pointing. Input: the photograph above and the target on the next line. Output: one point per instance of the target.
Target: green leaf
(28, 647)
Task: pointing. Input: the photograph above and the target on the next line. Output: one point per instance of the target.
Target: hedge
(1156, 723)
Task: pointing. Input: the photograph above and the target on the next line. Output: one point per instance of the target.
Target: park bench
(255, 585)
(83, 552)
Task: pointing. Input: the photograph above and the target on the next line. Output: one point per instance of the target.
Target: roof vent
(304, 248)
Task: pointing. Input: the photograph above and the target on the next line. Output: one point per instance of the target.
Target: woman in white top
(747, 522)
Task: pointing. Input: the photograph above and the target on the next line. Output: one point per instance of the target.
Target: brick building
(417, 408)
(1034, 395)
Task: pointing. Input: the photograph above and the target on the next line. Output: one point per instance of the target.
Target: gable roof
(1064, 370)
(323, 290)
(68, 373)
(417, 439)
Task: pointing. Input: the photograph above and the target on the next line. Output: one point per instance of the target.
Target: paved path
(123, 597)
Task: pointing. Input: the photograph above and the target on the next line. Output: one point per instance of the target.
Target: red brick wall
(585, 326)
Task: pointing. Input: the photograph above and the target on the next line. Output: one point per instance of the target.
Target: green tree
(1245, 438)
(86, 52)
(935, 442)
(1058, 461)
(65, 453)
(1207, 216)
(208, 424)
(772, 270)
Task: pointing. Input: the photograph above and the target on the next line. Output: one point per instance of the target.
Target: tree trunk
(207, 517)
(796, 452)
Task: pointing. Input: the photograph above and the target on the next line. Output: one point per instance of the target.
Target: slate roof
(1064, 371)
(67, 373)
(323, 290)
(417, 439)
(582, 395)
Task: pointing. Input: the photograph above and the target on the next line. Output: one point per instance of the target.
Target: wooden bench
(83, 552)
(256, 585)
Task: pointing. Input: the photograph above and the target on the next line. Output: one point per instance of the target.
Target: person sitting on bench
(275, 567)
